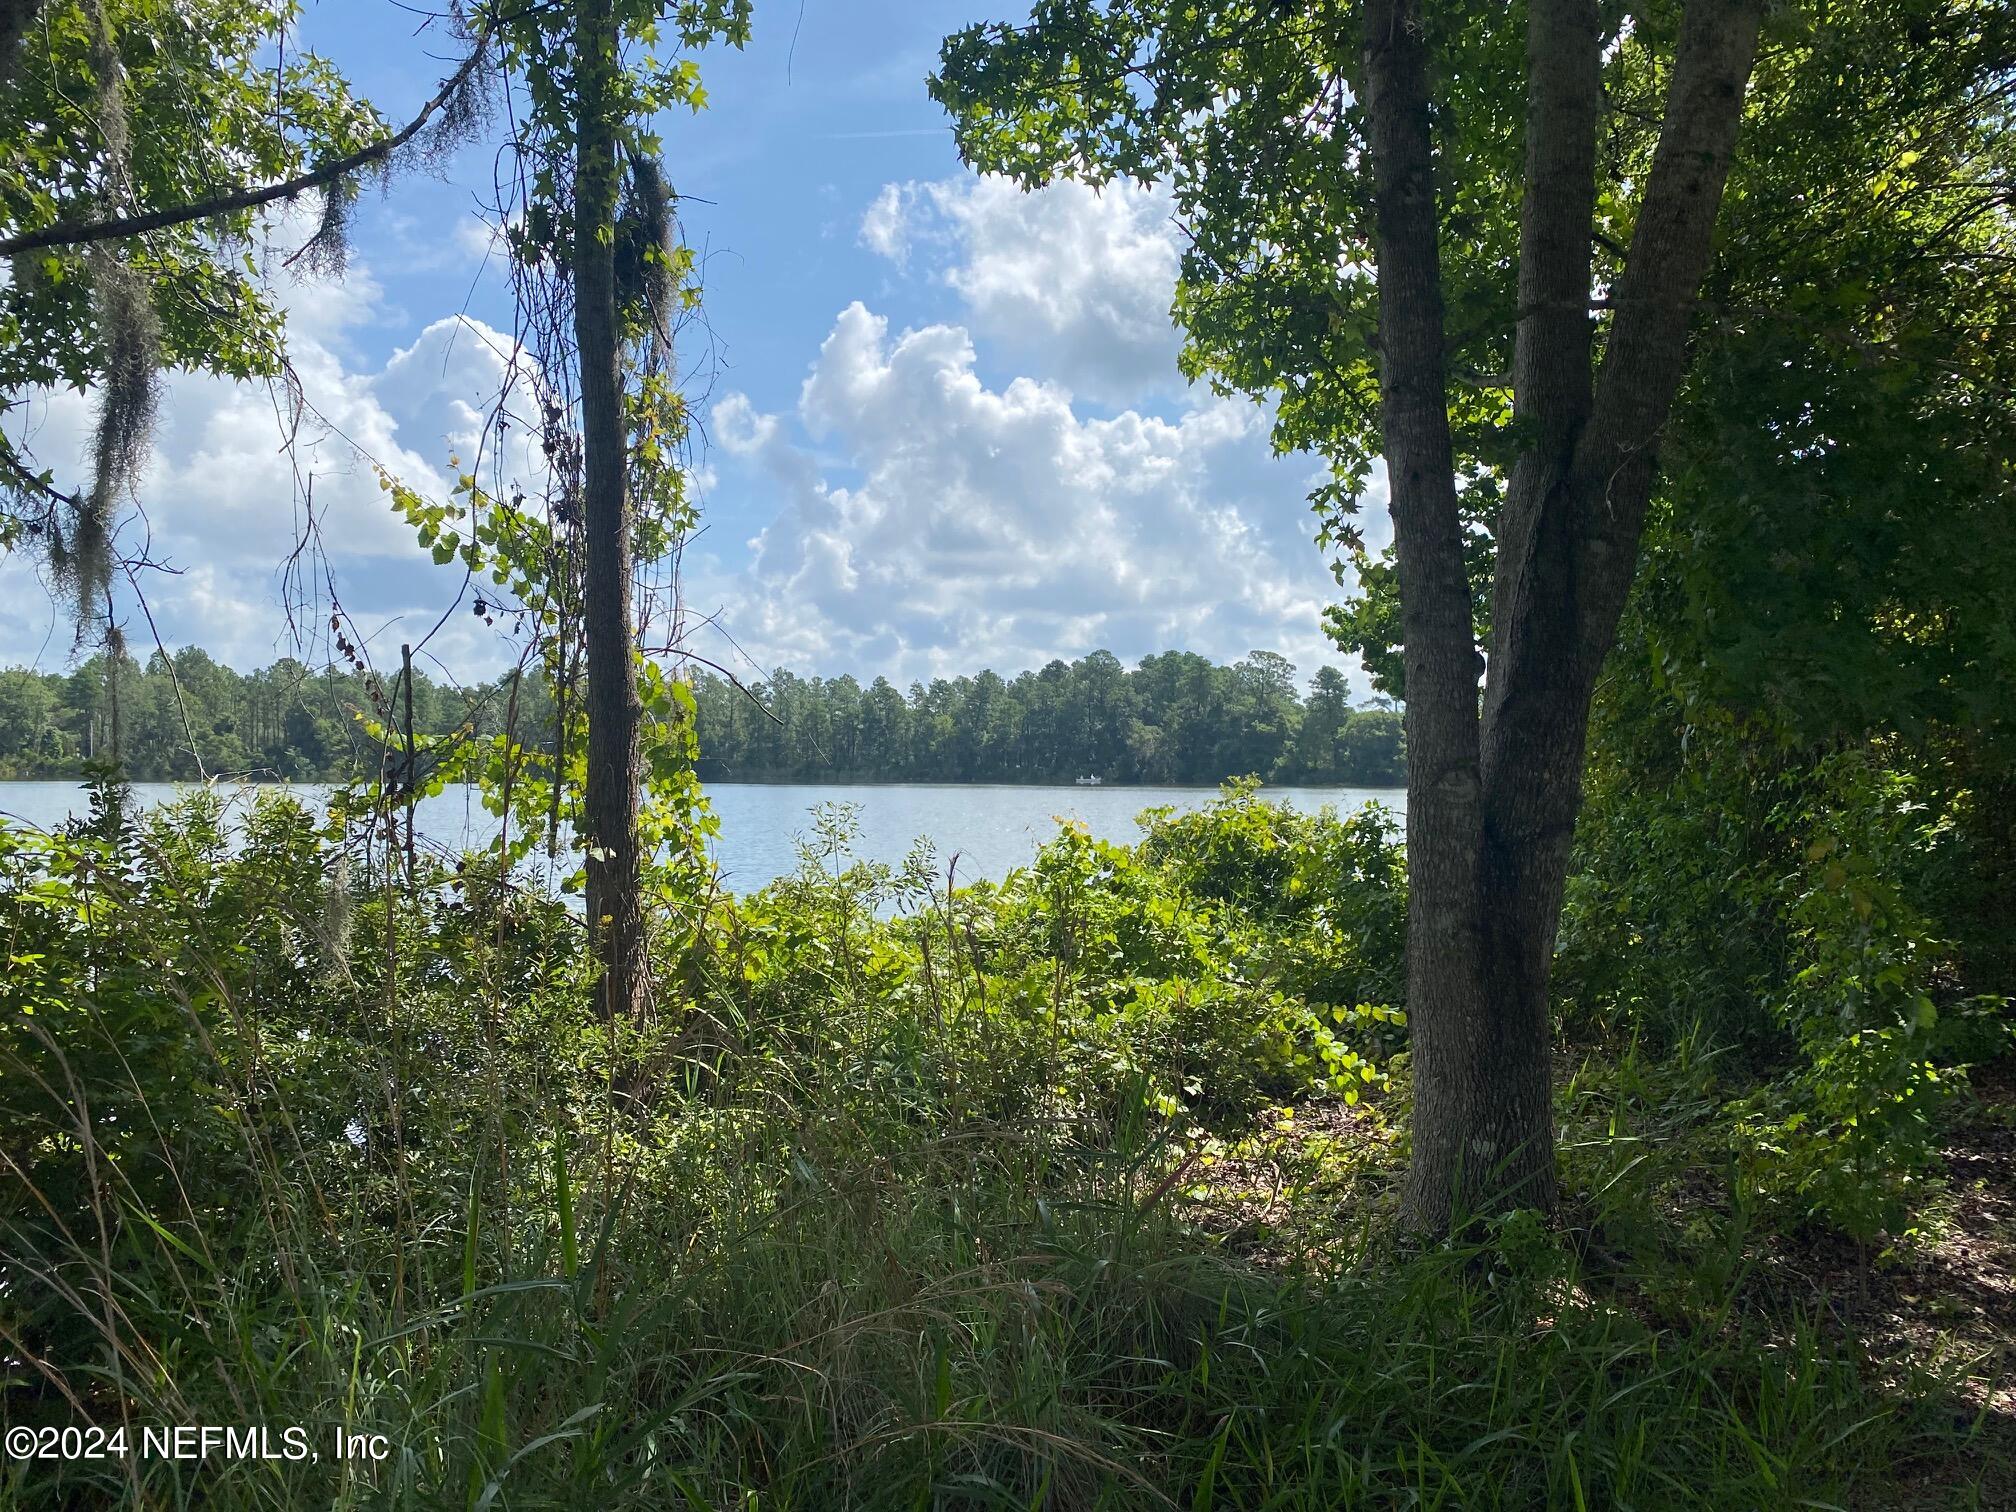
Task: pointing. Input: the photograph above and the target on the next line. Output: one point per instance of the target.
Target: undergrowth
(902, 1200)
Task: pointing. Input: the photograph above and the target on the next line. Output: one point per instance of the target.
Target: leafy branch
(77, 233)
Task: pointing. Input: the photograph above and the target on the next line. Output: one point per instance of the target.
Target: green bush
(901, 1201)
(1785, 908)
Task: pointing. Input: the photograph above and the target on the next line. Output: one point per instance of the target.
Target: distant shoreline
(810, 782)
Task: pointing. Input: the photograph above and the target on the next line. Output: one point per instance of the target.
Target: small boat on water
(1090, 781)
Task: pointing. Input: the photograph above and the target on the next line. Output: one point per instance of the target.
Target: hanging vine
(129, 229)
(526, 532)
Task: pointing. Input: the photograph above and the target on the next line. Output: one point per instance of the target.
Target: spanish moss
(648, 253)
(130, 337)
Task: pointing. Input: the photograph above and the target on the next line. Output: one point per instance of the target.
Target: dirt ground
(1939, 1302)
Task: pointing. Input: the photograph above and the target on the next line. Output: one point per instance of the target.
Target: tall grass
(893, 1213)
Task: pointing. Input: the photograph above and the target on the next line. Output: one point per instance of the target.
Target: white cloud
(907, 516)
(1077, 278)
(477, 239)
(739, 428)
(997, 526)
(885, 225)
(321, 312)
(225, 501)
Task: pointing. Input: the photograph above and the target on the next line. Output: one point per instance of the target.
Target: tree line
(190, 716)
(1492, 253)
(1174, 718)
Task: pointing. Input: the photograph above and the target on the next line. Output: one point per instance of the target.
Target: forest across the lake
(1177, 719)
(1624, 1120)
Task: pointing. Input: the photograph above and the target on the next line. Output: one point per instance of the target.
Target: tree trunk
(16, 17)
(1492, 795)
(615, 714)
(1445, 953)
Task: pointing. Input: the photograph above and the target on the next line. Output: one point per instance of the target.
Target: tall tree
(603, 285)
(1488, 846)
(1342, 170)
(615, 711)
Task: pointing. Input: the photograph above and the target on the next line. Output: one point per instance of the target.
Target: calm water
(993, 829)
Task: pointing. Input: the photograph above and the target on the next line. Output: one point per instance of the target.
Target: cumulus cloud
(885, 225)
(911, 514)
(740, 429)
(998, 526)
(1077, 278)
(225, 499)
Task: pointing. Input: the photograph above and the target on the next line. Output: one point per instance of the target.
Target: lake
(992, 828)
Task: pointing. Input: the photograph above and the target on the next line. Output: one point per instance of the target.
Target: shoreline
(805, 782)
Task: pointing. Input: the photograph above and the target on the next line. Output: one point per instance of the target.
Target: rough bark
(1493, 794)
(1444, 952)
(16, 17)
(615, 713)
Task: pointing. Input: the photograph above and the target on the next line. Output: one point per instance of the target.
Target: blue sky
(943, 430)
